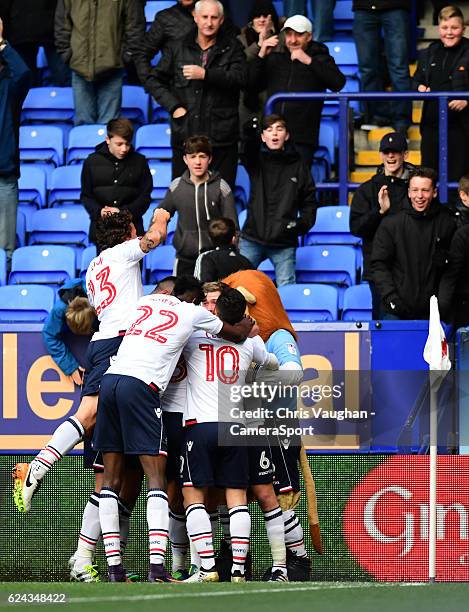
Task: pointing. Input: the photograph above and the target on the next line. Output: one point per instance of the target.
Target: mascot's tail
(313, 518)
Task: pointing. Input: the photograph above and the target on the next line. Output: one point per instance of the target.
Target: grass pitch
(254, 596)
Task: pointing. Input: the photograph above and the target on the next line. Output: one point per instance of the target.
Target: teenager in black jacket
(116, 178)
(444, 66)
(282, 205)
(410, 251)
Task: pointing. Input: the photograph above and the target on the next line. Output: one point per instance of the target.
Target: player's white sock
(179, 540)
(213, 516)
(65, 437)
(89, 533)
(225, 523)
(109, 519)
(158, 524)
(124, 524)
(240, 529)
(276, 534)
(294, 539)
(200, 532)
(195, 557)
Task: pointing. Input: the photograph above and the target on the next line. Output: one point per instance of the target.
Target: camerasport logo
(386, 519)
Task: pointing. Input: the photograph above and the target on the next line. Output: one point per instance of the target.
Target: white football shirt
(161, 326)
(114, 285)
(174, 397)
(214, 366)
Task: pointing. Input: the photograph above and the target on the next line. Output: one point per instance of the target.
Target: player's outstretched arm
(237, 332)
(156, 233)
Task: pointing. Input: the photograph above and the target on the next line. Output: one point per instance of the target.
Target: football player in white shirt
(114, 286)
(261, 475)
(215, 456)
(129, 417)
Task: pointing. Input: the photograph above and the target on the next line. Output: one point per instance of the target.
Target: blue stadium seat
(82, 141)
(345, 56)
(3, 267)
(65, 185)
(158, 113)
(87, 256)
(357, 304)
(242, 215)
(161, 174)
(172, 228)
(152, 7)
(48, 104)
(242, 185)
(309, 302)
(331, 227)
(154, 141)
(147, 289)
(43, 143)
(147, 217)
(135, 104)
(267, 267)
(327, 143)
(343, 16)
(326, 264)
(31, 189)
(159, 263)
(45, 265)
(62, 225)
(279, 7)
(25, 303)
(20, 228)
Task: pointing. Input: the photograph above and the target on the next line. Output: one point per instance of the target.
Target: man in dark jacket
(29, 24)
(198, 196)
(385, 194)
(410, 251)
(302, 65)
(15, 80)
(94, 39)
(198, 81)
(384, 25)
(116, 178)
(282, 205)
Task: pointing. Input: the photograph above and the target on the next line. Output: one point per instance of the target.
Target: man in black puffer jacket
(198, 81)
(116, 178)
(282, 204)
(410, 251)
(302, 65)
(385, 194)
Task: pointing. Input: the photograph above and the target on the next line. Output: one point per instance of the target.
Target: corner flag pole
(436, 355)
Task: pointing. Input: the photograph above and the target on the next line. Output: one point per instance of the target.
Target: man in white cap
(301, 64)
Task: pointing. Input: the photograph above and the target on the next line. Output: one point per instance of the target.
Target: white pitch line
(176, 593)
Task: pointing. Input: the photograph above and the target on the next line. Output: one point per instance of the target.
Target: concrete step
(372, 158)
(416, 114)
(360, 176)
(375, 136)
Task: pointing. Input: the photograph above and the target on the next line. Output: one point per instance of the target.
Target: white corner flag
(436, 352)
(436, 355)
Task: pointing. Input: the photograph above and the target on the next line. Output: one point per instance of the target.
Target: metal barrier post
(343, 151)
(443, 141)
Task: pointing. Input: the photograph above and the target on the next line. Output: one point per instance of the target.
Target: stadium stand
(326, 264)
(159, 263)
(357, 303)
(3, 267)
(86, 256)
(153, 7)
(46, 265)
(82, 141)
(65, 185)
(135, 104)
(42, 143)
(154, 141)
(46, 104)
(161, 173)
(62, 225)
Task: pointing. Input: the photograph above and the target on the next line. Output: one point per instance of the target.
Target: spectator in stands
(384, 25)
(71, 312)
(444, 66)
(15, 80)
(29, 24)
(93, 38)
(282, 205)
(323, 12)
(116, 178)
(198, 196)
(384, 195)
(294, 7)
(198, 81)
(460, 207)
(453, 293)
(263, 23)
(410, 251)
(225, 258)
(302, 65)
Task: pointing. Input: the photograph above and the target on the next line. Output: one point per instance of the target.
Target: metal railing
(344, 185)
